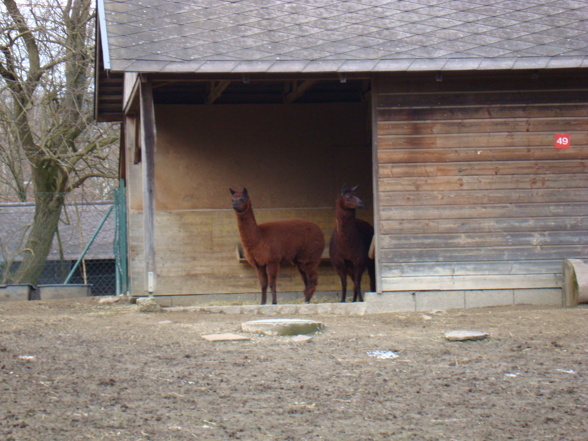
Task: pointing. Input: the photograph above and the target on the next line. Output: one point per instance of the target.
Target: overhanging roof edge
(350, 66)
(103, 34)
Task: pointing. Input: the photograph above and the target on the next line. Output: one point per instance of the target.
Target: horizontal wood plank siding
(196, 253)
(472, 193)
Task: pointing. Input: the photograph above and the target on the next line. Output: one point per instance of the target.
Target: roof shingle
(342, 35)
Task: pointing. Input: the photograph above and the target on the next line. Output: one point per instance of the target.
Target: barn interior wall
(472, 193)
(286, 155)
(293, 159)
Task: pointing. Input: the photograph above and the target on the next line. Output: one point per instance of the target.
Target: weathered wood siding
(196, 253)
(472, 194)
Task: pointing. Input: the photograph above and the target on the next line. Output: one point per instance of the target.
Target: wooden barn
(464, 123)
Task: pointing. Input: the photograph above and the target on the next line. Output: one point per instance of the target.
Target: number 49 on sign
(562, 141)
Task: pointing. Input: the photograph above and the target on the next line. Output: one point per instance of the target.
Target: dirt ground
(81, 370)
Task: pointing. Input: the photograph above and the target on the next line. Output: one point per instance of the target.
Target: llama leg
(262, 275)
(311, 283)
(343, 277)
(304, 273)
(272, 275)
(349, 271)
(357, 296)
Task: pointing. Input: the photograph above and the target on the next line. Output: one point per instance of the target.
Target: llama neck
(247, 224)
(345, 219)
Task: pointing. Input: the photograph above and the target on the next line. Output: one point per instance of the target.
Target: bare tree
(46, 61)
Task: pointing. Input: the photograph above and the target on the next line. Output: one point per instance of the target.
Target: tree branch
(25, 32)
(81, 180)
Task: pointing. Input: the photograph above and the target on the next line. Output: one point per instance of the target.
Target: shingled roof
(286, 36)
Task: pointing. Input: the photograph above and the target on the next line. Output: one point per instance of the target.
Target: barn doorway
(293, 123)
(292, 143)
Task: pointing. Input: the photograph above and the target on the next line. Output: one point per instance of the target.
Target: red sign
(562, 141)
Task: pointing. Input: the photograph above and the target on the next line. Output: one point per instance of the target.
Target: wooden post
(148, 175)
(375, 182)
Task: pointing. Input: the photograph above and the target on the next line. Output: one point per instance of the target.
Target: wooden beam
(148, 175)
(373, 115)
(298, 89)
(216, 90)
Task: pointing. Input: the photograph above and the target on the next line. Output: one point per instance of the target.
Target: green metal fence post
(120, 239)
(88, 245)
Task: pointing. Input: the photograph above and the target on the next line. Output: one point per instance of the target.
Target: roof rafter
(297, 89)
(216, 90)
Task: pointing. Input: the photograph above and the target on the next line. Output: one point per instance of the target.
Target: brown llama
(350, 244)
(270, 244)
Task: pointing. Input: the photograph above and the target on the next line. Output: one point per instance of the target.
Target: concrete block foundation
(392, 302)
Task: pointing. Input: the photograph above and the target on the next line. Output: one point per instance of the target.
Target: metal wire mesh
(81, 250)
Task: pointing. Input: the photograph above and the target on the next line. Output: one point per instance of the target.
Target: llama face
(350, 200)
(240, 200)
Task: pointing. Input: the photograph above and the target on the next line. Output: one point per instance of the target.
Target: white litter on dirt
(26, 357)
(566, 371)
(383, 355)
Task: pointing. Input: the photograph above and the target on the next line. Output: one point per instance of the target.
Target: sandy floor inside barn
(80, 370)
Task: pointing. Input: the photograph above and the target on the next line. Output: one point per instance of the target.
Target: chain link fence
(88, 246)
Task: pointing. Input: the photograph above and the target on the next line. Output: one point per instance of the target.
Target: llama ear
(354, 188)
(245, 192)
(232, 191)
(344, 189)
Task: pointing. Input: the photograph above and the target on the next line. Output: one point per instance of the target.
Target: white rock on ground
(282, 326)
(148, 304)
(465, 335)
(109, 299)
